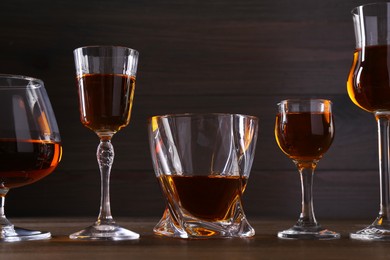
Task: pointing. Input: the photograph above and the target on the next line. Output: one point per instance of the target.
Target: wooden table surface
(265, 245)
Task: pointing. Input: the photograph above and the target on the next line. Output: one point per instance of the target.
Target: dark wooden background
(196, 56)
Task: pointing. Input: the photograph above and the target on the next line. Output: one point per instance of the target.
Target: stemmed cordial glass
(30, 144)
(369, 88)
(106, 82)
(304, 131)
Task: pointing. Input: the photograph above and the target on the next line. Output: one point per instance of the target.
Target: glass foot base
(14, 234)
(372, 233)
(321, 234)
(105, 232)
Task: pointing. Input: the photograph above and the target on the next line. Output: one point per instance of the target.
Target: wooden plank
(265, 244)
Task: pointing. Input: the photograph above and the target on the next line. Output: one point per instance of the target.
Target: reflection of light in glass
(82, 68)
(38, 110)
(130, 67)
(247, 131)
(22, 129)
(358, 77)
(57, 154)
(172, 149)
(44, 124)
(362, 32)
(154, 124)
(82, 98)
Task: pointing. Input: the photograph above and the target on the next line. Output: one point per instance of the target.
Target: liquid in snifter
(26, 161)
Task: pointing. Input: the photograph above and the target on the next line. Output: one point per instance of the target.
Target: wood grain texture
(196, 56)
(265, 244)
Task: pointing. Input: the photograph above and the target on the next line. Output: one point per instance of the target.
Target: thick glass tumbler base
(14, 234)
(105, 232)
(309, 234)
(192, 228)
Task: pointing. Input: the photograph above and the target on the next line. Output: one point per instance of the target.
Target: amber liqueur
(369, 78)
(304, 135)
(105, 101)
(210, 197)
(25, 161)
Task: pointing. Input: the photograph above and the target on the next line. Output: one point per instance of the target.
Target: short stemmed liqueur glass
(30, 144)
(368, 87)
(106, 82)
(304, 131)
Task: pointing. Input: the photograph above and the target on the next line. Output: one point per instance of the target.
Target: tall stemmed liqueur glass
(304, 131)
(106, 82)
(368, 87)
(30, 144)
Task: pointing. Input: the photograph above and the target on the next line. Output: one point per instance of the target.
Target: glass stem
(2, 204)
(4, 222)
(306, 171)
(105, 158)
(384, 174)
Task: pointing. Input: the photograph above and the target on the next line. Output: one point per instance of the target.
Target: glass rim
(296, 100)
(354, 11)
(106, 47)
(21, 77)
(178, 115)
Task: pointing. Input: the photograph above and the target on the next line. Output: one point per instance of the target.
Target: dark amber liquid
(26, 161)
(304, 135)
(105, 101)
(210, 198)
(369, 79)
